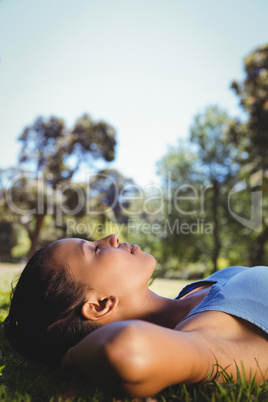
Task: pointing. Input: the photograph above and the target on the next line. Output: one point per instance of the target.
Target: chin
(152, 263)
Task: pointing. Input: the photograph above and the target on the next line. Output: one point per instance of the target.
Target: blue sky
(144, 66)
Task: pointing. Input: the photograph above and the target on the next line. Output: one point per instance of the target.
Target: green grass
(23, 381)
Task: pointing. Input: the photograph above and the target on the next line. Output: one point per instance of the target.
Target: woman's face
(107, 266)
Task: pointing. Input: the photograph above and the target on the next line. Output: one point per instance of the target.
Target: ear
(97, 309)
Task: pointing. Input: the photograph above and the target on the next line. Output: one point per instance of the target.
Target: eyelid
(96, 248)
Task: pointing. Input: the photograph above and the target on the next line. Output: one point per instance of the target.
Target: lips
(134, 248)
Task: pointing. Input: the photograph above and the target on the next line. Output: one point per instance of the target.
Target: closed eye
(96, 249)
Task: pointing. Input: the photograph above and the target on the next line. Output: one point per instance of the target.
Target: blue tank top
(239, 291)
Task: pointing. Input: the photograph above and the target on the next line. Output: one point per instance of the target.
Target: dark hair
(45, 317)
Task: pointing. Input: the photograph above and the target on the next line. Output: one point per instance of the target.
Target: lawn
(23, 381)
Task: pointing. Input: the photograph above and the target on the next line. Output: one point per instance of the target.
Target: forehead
(65, 243)
(64, 250)
(69, 252)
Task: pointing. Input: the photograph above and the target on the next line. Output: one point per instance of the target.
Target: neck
(160, 310)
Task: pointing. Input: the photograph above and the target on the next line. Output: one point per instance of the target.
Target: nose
(110, 241)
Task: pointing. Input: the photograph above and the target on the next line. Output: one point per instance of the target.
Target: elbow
(115, 361)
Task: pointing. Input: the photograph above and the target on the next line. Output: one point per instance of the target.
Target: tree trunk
(216, 234)
(256, 253)
(34, 236)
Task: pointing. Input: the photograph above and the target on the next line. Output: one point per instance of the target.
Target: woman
(141, 342)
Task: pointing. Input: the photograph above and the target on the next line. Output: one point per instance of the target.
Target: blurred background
(146, 119)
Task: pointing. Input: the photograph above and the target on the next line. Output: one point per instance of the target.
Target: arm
(139, 359)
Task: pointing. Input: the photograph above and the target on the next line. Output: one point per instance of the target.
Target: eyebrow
(81, 245)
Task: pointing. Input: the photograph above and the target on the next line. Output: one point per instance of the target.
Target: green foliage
(49, 147)
(221, 151)
(50, 155)
(22, 244)
(198, 176)
(8, 239)
(253, 94)
(108, 189)
(217, 157)
(179, 170)
(249, 134)
(90, 139)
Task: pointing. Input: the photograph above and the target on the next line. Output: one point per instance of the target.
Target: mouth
(134, 248)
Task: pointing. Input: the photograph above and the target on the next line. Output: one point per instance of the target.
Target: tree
(52, 154)
(198, 176)
(250, 134)
(182, 181)
(218, 159)
(49, 147)
(108, 188)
